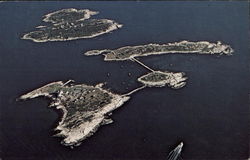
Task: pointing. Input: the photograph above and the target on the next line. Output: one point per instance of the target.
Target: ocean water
(210, 114)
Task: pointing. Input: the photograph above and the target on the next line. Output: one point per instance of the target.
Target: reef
(71, 24)
(129, 52)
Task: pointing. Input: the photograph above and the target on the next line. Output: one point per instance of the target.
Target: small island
(161, 79)
(183, 47)
(71, 24)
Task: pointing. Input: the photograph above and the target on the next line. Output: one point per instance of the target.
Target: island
(85, 108)
(183, 47)
(161, 79)
(71, 24)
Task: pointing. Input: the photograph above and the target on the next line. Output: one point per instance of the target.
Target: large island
(161, 79)
(183, 47)
(71, 24)
(84, 108)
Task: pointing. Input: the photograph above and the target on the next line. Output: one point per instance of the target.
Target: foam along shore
(161, 79)
(85, 108)
(71, 24)
(183, 47)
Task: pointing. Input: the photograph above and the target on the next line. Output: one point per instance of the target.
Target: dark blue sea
(210, 114)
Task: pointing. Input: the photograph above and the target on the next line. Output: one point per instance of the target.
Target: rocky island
(161, 79)
(184, 47)
(84, 108)
(71, 24)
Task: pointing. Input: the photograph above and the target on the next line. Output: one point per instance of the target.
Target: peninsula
(71, 24)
